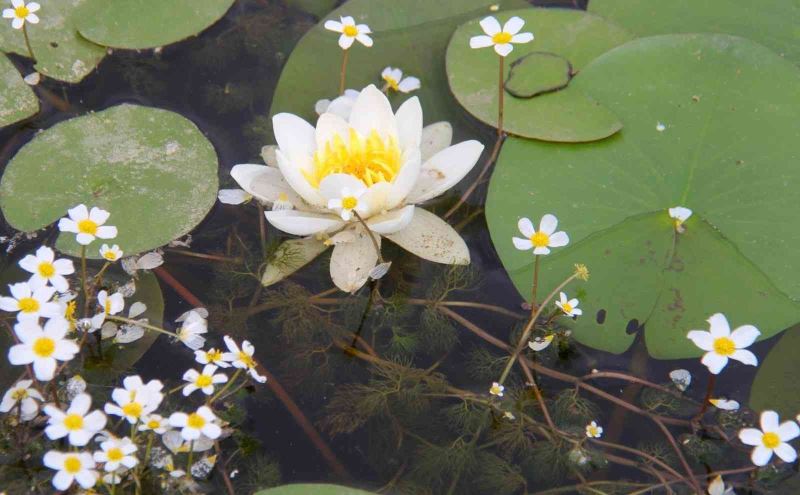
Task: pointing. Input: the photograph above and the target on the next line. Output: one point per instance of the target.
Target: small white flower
(42, 346)
(541, 343)
(46, 269)
(190, 332)
(77, 423)
(679, 215)
(660, 127)
(717, 487)
(350, 32)
(136, 400)
(681, 379)
(496, 389)
(773, 437)
(722, 344)
(112, 253)
(725, 404)
(568, 306)
(88, 225)
(204, 380)
(22, 13)
(23, 394)
(116, 453)
(233, 196)
(71, 466)
(200, 422)
(500, 38)
(395, 81)
(242, 358)
(341, 105)
(344, 195)
(111, 305)
(509, 416)
(114, 477)
(593, 430)
(30, 302)
(154, 423)
(283, 203)
(211, 356)
(544, 239)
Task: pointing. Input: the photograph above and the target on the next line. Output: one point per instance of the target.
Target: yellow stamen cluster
(19, 394)
(724, 346)
(46, 269)
(540, 239)
(44, 347)
(581, 272)
(195, 421)
(501, 38)
(350, 31)
(73, 422)
(771, 440)
(28, 305)
(133, 409)
(72, 464)
(369, 159)
(22, 12)
(203, 381)
(247, 360)
(567, 307)
(392, 82)
(87, 226)
(114, 454)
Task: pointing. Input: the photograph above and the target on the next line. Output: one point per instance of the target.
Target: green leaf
(152, 169)
(727, 152)
(17, 99)
(411, 35)
(772, 23)
(566, 115)
(775, 384)
(537, 73)
(61, 53)
(311, 489)
(147, 23)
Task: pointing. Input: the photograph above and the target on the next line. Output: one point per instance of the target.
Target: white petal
(444, 170)
(264, 183)
(503, 49)
(391, 222)
(351, 262)
(559, 239)
(714, 362)
(409, 124)
(302, 223)
(433, 239)
(330, 125)
(33, 7)
(345, 41)
(409, 84)
(98, 215)
(548, 224)
(490, 25)
(522, 244)
(364, 39)
(525, 227)
(480, 41)
(435, 138)
(106, 232)
(295, 138)
(372, 111)
(8, 13)
(376, 198)
(744, 336)
(405, 180)
(44, 368)
(718, 325)
(750, 436)
(761, 455)
(522, 38)
(745, 357)
(62, 480)
(788, 430)
(32, 18)
(701, 339)
(294, 177)
(770, 421)
(332, 25)
(786, 452)
(233, 196)
(332, 186)
(513, 25)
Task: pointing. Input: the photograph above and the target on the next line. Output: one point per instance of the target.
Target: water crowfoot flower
(593, 430)
(242, 358)
(211, 356)
(190, 332)
(112, 253)
(116, 453)
(350, 31)
(394, 80)
(88, 225)
(30, 302)
(773, 437)
(136, 400)
(200, 422)
(344, 193)
(544, 239)
(500, 38)
(71, 466)
(42, 346)
(111, 304)
(23, 394)
(154, 423)
(679, 215)
(569, 307)
(46, 269)
(717, 487)
(722, 344)
(77, 423)
(22, 13)
(204, 380)
(496, 389)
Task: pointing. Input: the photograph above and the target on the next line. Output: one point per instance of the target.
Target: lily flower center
(501, 38)
(132, 409)
(771, 440)
(28, 305)
(195, 421)
(44, 347)
(724, 346)
(72, 464)
(87, 226)
(349, 202)
(204, 381)
(115, 454)
(73, 422)
(46, 269)
(370, 159)
(22, 12)
(540, 239)
(350, 31)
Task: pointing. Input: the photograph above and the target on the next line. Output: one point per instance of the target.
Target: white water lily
(381, 150)
(394, 80)
(190, 332)
(193, 425)
(541, 343)
(22, 397)
(593, 430)
(22, 13)
(112, 253)
(136, 400)
(501, 38)
(42, 346)
(242, 358)
(88, 225)
(45, 269)
(722, 344)
(568, 306)
(116, 453)
(204, 380)
(71, 467)
(350, 31)
(773, 437)
(31, 303)
(542, 240)
(76, 423)
(724, 404)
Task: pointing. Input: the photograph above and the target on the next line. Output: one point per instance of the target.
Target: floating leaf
(17, 99)
(312, 489)
(152, 169)
(147, 23)
(565, 115)
(775, 384)
(728, 153)
(537, 73)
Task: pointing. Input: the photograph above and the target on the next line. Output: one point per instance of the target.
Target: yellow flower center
(22, 12)
(19, 394)
(247, 359)
(501, 38)
(46, 269)
(567, 307)
(153, 424)
(115, 454)
(107, 305)
(213, 356)
(73, 422)
(350, 31)
(44, 347)
(540, 239)
(724, 346)
(495, 390)
(195, 421)
(392, 82)
(110, 255)
(369, 159)
(69, 314)
(72, 464)
(349, 202)
(87, 227)
(132, 409)
(592, 430)
(204, 381)
(28, 305)
(771, 440)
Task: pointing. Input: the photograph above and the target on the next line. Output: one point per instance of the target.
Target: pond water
(390, 416)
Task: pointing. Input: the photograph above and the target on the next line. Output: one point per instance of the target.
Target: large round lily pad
(775, 385)
(147, 23)
(411, 35)
(17, 100)
(772, 23)
(727, 149)
(564, 115)
(312, 489)
(152, 169)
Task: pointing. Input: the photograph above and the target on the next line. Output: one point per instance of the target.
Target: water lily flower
(112, 253)
(136, 399)
(679, 215)
(116, 453)
(242, 358)
(544, 239)
(77, 423)
(395, 81)
(722, 344)
(71, 467)
(568, 306)
(204, 380)
(111, 304)
(21, 395)
(350, 31)
(717, 487)
(22, 13)
(725, 404)
(200, 422)
(496, 389)
(233, 196)
(341, 105)
(155, 423)
(541, 343)
(190, 332)
(31, 302)
(46, 269)
(593, 430)
(773, 437)
(42, 346)
(500, 38)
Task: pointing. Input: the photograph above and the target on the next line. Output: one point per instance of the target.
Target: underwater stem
(343, 71)
(709, 390)
(225, 387)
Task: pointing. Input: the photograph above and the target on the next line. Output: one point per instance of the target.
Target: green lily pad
(152, 169)
(726, 149)
(538, 73)
(772, 23)
(775, 384)
(147, 23)
(312, 489)
(17, 99)
(411, 35)
(567, 115)
(61, 53)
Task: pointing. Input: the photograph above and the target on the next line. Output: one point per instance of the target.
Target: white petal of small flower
(593, 430)
(88, 225)
(541, 343)
(71, 467)
(724, 404)
(76, 423)
(112, 253)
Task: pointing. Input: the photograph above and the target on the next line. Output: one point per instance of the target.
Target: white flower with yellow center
(22, 397)
(116, 453)
(155, 423)
(242, 358)
(773, 437)
(568, 306)
(200, 422)
(113, 253)
(593, 430)
(192, 328)
(341, 105)
(496, 389)
(88, 225)
(136, 399)
(541, 343)
(46, 269)
(211, 356)
(22, 13)
(346, 200)
(204, 380)
(389, 154)
(721, 344)
(725, 404)
(42, 346)
(77, 423)
(679, 215)
(109, 304)
(71, 467)
(542, 240)
(350, 32)
(31, 303)
(500, 38)
(717, 487)
(394, 80)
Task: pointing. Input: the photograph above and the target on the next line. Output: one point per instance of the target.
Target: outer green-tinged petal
(352, 261)
(290, 256)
